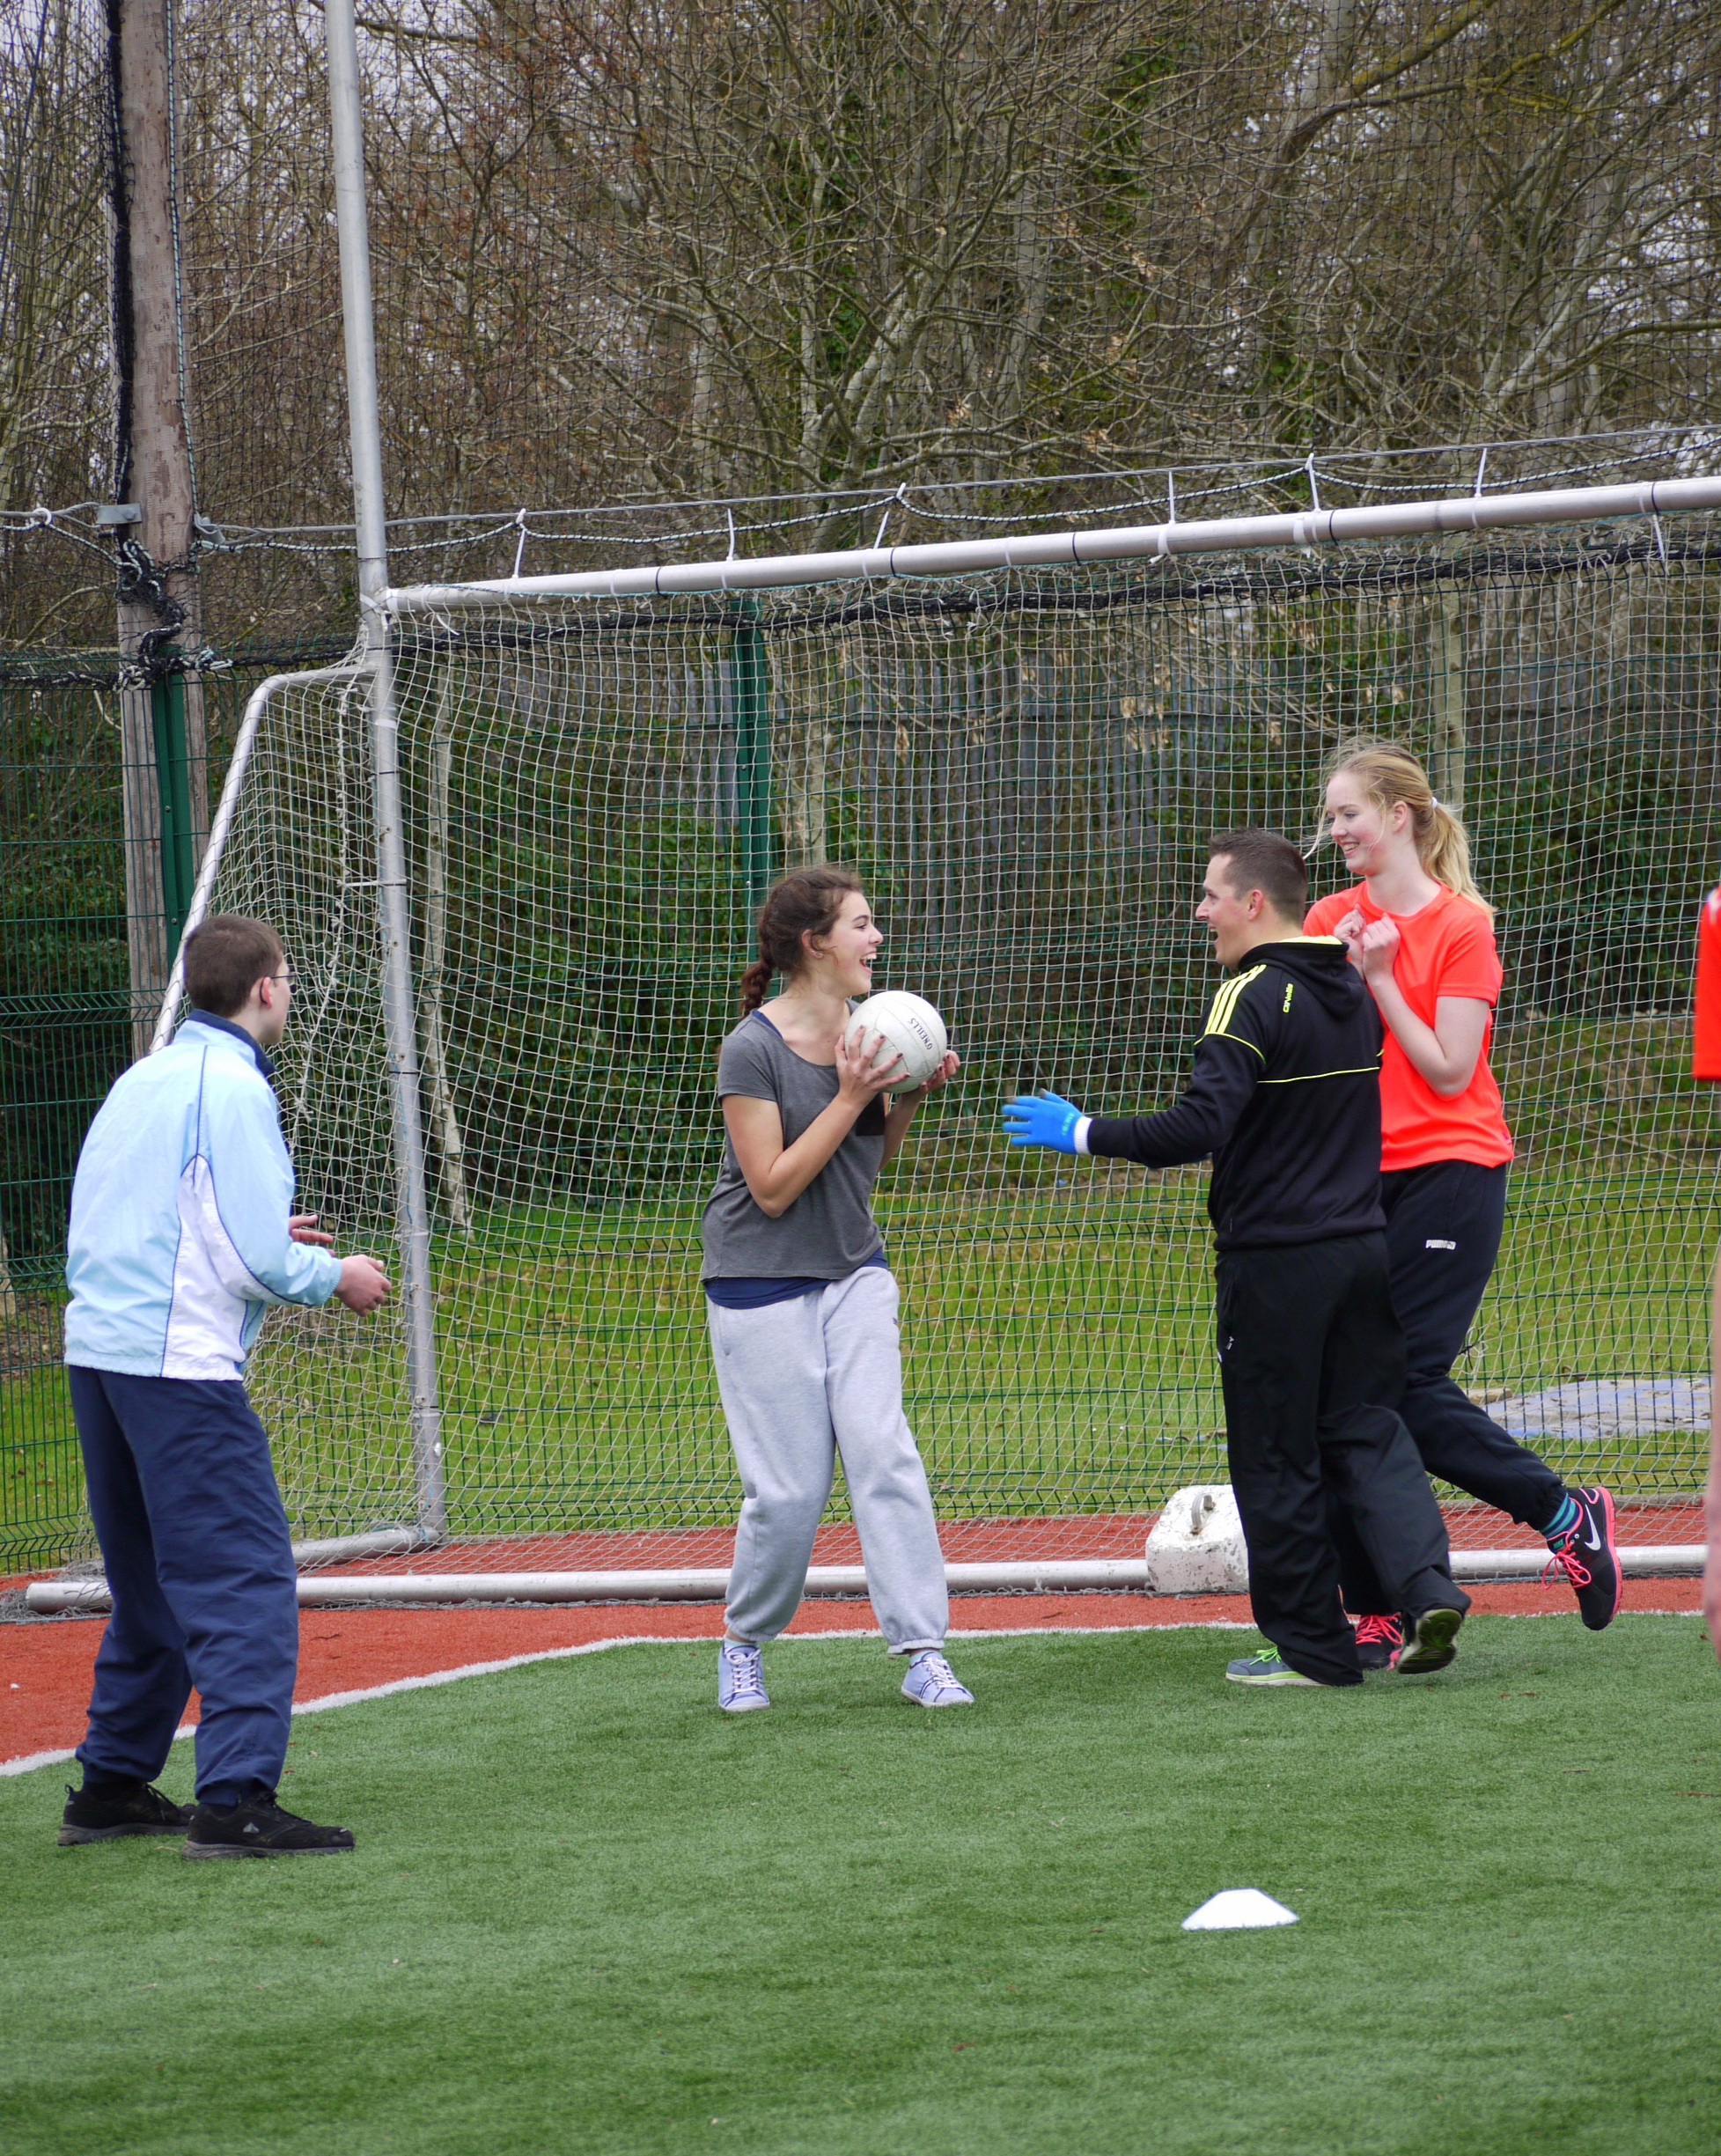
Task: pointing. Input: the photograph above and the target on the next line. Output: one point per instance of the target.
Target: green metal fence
(69, 1009)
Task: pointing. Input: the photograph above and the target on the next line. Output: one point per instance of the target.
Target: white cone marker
(1239, 1908)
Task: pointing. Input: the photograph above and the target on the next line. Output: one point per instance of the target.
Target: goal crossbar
(1301, 528)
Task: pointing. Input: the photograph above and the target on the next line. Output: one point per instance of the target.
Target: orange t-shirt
(1445, 948)
(1706, 1026)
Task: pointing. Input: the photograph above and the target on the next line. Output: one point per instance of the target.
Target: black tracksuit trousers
(1444, 1225)
(1309, 1352)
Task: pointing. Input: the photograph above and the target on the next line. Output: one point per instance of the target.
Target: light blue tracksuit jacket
(178, 1238)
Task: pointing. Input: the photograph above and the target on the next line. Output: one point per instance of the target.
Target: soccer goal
(1023, 744)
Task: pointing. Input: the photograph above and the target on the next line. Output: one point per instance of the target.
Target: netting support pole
(751, 677)
(179, 869)
(411, 1185)
(1448, 733)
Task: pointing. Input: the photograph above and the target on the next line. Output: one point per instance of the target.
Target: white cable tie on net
(730, 513)
(901, 495)
(1482, 474)
(1171, 497)
(519, 551)
(1660, 539)
(1314, 484)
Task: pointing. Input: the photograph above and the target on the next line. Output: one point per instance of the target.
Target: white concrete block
(1196, 1546)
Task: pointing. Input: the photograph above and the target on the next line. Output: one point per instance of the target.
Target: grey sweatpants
(802, 1381)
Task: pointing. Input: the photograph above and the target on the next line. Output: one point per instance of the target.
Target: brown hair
(225, 958)
(804, 902)
(1262, 861)
(1390, 774)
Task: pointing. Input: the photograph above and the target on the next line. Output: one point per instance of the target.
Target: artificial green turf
(589, 1913)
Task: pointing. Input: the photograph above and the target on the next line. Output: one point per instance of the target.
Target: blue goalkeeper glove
(1042, 1119)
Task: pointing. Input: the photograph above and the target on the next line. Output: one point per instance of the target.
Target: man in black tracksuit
(1285, 1098)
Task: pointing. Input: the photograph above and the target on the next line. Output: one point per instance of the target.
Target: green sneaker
(1429, 1647)
(1266, 1667)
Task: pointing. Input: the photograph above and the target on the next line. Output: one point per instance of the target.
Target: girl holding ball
(801, 1302)
(1422, 935)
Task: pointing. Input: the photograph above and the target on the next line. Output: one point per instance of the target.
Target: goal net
(1024, 765)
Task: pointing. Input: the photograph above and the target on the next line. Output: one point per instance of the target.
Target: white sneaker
(932, 1682)
(740, 1678)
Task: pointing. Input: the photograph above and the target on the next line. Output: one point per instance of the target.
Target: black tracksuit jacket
(1286, 1098)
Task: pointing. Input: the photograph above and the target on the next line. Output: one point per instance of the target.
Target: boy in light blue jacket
(182, 1235)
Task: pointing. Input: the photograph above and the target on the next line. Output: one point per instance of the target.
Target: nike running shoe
(1266, 1667)
(113, 1814)
(1587, 1555)
(1378, 1641)
(933, 1682)
(1430, 1646)
(740, 1678)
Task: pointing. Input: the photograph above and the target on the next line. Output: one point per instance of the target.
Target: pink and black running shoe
(1379, 1640)
(1589, 1557)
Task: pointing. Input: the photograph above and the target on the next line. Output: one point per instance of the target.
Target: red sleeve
(1706, 1028)
(1469, 960)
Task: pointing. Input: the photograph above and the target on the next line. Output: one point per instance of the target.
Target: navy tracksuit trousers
(200, 1566)
(1443, 1226)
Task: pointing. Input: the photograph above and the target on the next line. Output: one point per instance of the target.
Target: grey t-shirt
(829, 1231)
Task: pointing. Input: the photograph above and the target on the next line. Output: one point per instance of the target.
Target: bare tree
(54, 407)
(677, 251)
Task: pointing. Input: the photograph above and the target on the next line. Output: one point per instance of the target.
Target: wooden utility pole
(162, 730)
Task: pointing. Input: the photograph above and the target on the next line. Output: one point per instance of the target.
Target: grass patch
(588, 1912)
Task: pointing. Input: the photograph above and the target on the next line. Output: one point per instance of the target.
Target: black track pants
(1444, 1225)
(1310, 1353)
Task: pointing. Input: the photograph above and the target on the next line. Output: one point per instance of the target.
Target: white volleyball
(912, 1029)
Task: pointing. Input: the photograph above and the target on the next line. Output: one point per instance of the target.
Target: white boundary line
(630, 1639)
(31, 1761)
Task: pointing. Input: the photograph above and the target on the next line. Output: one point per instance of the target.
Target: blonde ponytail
(1390, 774)
(1446, 854)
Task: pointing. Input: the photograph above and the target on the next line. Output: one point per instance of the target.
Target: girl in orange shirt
(1422, 935)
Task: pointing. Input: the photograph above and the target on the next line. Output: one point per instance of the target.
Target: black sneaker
(108, 1815)
(1430, 1646)
(1379, 1640)
(260, 1829)
(1587, 1555)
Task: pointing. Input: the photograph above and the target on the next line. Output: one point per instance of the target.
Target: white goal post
(444, 672)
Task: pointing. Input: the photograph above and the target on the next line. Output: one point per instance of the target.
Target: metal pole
(965, 557)
(710, 1584)
(411, 1188)
(751, 675)
(173, 784)
(257, 704)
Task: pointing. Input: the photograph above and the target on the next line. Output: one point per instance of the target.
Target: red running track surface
(45, 1667)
